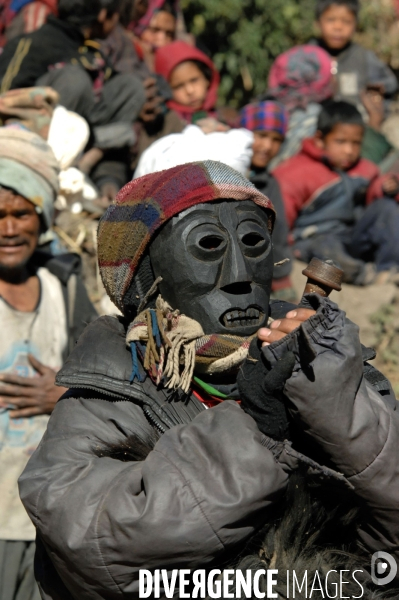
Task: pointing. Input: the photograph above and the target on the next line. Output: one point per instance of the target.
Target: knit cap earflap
(137, 296)
(145, 204)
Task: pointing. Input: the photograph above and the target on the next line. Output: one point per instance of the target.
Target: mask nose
(235, 276)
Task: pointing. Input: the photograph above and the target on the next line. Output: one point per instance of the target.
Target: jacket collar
(310, 149)
(62, 266)
(89, 364)
(260, 179)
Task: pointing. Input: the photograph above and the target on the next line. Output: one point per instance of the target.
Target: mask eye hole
(207, 242)
(210, 242)
(252, 239)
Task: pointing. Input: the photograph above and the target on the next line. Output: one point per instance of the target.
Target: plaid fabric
(209, 348)
(300, 76)
(173, 346)
(265, 116)
(145, 204)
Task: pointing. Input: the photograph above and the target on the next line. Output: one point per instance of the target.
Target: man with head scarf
(43, 309)
(134, 472)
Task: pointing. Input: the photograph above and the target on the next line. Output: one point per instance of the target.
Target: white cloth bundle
(233, 148)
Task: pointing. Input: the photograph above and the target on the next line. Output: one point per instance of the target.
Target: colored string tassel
(155, 328)
(135, 361)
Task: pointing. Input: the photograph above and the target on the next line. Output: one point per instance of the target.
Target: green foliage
(378, 29)
(245, 36)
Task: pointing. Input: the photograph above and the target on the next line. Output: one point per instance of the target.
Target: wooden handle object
(323, 277)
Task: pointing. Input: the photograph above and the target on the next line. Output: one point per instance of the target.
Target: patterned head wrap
(28, 166)
(265, 116)
(154, 6)
(300, 76)
(145, 204)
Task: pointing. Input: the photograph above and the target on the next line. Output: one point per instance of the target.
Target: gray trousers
(111, 116)
(122, 96)
(17, 580)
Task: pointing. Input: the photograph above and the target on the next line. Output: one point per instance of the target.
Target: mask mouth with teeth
(242, 318)
(216, 264)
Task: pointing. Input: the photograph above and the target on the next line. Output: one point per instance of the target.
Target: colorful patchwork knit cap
(147, 203)
(265, 116)
(300, 76)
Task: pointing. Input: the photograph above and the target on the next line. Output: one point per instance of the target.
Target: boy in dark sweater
(326, 190)
(269, 121)
(358, 70)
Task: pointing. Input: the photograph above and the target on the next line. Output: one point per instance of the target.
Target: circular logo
(383, 568)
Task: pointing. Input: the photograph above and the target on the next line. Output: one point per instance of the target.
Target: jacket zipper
(145, 410)
(102, 392)
(153, 420)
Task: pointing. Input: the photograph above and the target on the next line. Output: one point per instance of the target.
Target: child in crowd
(357, 69)
(325, 188)
(155, 29)
(269, 121)
(301, 78)
(161, 27)
(193, 79)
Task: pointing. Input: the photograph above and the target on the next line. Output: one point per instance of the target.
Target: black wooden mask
(216, 261)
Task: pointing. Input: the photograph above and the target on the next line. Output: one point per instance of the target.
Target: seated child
(325, 189)
(357, 69)
(193, 79)
(301, 78)
(268, 121)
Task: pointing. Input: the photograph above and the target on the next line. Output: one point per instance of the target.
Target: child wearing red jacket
(326, 190)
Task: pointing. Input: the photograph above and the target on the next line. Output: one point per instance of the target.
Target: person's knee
(77, 78)
(68, 81)
(73, 74)
(129, 86)
(388, 208)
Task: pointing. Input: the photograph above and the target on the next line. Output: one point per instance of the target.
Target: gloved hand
(261, 391)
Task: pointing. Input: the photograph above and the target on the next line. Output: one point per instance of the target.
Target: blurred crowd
(96, 92)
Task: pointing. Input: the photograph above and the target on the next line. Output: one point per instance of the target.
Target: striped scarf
(172, 346)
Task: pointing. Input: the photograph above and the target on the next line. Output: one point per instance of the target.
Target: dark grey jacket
(350, 421)
(208, 484)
